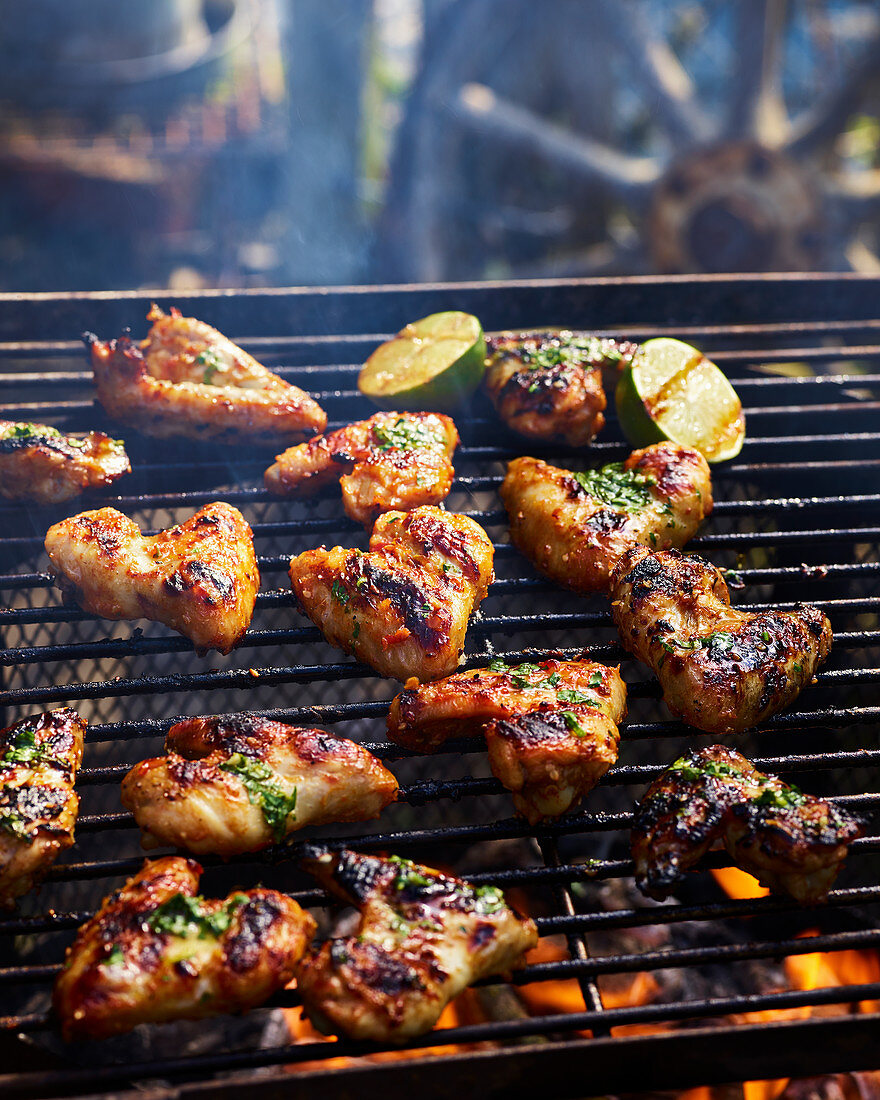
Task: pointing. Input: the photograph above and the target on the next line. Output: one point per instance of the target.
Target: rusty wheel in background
(626, 136)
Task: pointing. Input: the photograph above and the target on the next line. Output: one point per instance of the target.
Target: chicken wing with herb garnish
(236, 784)
(721, 670)
(39, 759)
(548, 385)
(574, 527)
(187, 379)
(423, 937)
(404, 607)
(39, 463)
(200, 577)
(391, 461)
(794, 843)
(156, 951)
(551, 727)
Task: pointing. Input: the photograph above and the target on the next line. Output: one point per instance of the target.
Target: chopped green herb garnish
(719, 642)
(210, 360)
(569, 695)
(407, 874)
(611, 484)
(407, 435)
(567, 350)
(182, 915)
(355, 631)
(688, 769)
(23, 749)
(116, 956)
(765, 635)
(571, 720)
(262, 790)
(786, 798)
(497, 665)
(12, 822)
(489, 900)
(339, 592)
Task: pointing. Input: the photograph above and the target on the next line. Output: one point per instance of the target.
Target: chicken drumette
(238, 783)
(187, 379)
(721, 670)
(551, 728)
(200, 578)
(391, 461)
(404, 606)
(423, 937)
(548, 385)
(156, 951)
(39, 463)
(574, 527)
(794, 843)
(39, 759)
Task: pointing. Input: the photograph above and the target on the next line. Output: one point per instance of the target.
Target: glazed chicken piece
(551, 728)
(404, 607)
(200, 577)
(548, 385)
(39, 759)
(391, 461)
(574, 527)
(794, 843)
(155, 951)
(38, 463)
(187, 379)
(721, 670)
(236, 784)
(423, 937)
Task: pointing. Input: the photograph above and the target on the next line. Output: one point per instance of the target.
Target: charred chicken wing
(404, 606)
(237, 784)
(549, 385)
(423, 937)
(39, 463)
(39, 759)
(794, 843)
(391, 461)
(200, 578)
(187, 379)
(155, 951)
(551, 728)
(574, 527)
(721, 670)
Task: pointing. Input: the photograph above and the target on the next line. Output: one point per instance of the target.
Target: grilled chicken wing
(551, 728)
(794, 843)
(187, 379)
(423, 937)
(200, 578)
(549, 385)
(155, 951)
(721, 670)
(39, 463)
(404, 606)
(393, 460)
(237, 784)
(39, 759)
(574, 527)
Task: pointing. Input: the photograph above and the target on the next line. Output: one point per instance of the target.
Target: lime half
(435, 364)
(672, 391)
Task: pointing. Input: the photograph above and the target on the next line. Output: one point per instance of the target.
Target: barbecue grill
(797, 518)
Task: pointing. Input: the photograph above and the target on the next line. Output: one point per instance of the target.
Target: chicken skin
(155, 951)
(423, 937)
(39, 759)
(391, 461)
(38, 463)
(574, 527)
(721, 670)
(187, 379)
(236, 784)
(200, 577)
(548, 385)
(402, 608)
(794, 843)
(551, 728)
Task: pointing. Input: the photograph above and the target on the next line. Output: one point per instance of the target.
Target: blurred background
(187, 143)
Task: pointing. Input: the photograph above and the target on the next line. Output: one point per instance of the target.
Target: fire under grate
(797, 517)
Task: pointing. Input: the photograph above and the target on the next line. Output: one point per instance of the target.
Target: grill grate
(798, 517)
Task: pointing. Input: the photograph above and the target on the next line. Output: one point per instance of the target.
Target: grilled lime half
(672, 391)
(435, 363)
